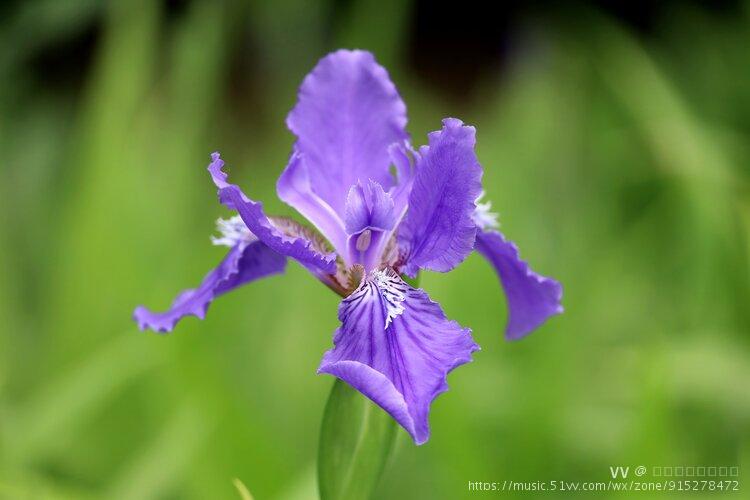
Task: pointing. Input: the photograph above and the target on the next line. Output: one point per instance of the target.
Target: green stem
(355, 441)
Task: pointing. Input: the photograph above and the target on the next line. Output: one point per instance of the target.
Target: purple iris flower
(381, 211)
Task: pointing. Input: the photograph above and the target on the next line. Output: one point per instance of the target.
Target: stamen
(233, 231)
(482, 216)
(363, 240)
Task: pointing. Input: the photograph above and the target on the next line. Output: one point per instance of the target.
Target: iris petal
(396, 346)
(532, 298)
(252, 214)
(347, 115)
(438, 231)
(294, 187)
(244, 263)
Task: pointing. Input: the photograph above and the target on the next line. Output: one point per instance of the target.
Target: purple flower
(381, 211)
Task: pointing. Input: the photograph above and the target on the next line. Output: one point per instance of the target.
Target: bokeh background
(615, 140)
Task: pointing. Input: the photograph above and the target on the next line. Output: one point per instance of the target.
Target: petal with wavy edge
(396, 346)
(244, 263)
(252, 214)
(532, 298)
(347, 115)
(438, 231)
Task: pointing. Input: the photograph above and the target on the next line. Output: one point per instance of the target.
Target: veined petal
(252, 214)
(532, 298)
(438, 231)
(347, 114)
(396, 347)
(295, 189)
(244, 263)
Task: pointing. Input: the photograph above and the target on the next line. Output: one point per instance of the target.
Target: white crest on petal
(392, 290)
(483, 218)
(232, 231)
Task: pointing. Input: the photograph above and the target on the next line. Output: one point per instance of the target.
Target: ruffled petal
(244, 263)
(299, 248)
(532, 298)
(347, 115)
(438, 231)
(396, 347)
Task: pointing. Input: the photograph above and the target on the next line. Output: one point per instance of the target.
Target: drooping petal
(396, 346)
(438, 231)
(532, 298)
(252, 214)
(294, 187)
(347, 114)
(244, 263)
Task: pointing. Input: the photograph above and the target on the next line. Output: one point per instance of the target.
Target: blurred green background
(615, 144)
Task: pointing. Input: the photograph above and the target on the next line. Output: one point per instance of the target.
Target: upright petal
(396, 347)
(532, 298)
(294, 187)
(438, 231)
(244, 263)
(252, 214)
(347, 114)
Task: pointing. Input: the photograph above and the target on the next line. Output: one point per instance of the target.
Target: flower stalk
(356, 439)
